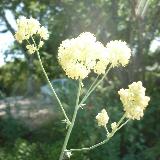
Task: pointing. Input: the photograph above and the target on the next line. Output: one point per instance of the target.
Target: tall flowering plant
(79, 57)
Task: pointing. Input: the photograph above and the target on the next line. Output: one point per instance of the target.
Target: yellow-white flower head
(102, 118)
(29, 27)
(78, 56)
(31, 48)
(101, 66)
(32, 26)
(43, 32)
(134, 100)
(76, 71)
(41, 43)
(118, 53)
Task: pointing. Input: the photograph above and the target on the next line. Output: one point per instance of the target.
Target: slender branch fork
(50, 85)
(109, 136)
(91, 89)
(94, 86)
(72, 123)
(55, 94)
(77, 106)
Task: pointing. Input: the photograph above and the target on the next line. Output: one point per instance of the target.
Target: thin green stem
(123, 124)
(90, 148)
(53, 90)
(94, 82)
(121, 120)
(94, 87)
(106, 129)
(110, 135)
(49, 83)
(28, 42)
(72, 123)
(99, 81)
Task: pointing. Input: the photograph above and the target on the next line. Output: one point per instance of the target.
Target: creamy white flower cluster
(134, 100)
(27, 28)
(134, 103)
(118, 53)
(79, 56)
(102, 118)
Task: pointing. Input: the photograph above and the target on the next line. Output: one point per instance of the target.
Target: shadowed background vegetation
(131, 21)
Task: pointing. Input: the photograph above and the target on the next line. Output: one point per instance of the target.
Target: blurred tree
(134, 21)
(107, 19)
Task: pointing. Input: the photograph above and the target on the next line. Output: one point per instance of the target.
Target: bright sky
(155, 44)
(6, 39)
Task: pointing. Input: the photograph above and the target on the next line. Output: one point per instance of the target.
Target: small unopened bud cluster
(27, 28)
(68, 154)
(113, 125)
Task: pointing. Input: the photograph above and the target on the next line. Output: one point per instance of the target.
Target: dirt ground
(33, 111)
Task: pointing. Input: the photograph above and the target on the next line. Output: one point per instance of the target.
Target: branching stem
(93, 87)
(109, 136)
(50, 85)
(72, 123)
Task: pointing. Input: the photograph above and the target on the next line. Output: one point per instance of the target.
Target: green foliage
(135, 141)
(107, 19)
(11, 129)
(24, 151)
